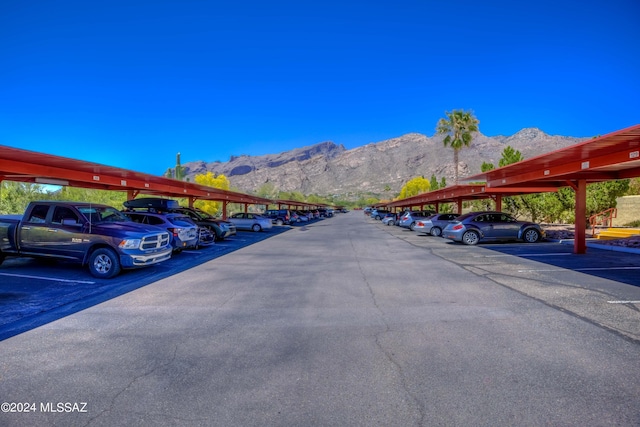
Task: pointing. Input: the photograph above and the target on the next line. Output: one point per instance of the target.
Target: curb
(599, 246)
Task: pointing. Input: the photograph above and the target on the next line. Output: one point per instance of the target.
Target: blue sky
(131, 83)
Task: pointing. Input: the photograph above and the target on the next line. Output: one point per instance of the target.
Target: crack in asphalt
(388, 354)
(134, 380)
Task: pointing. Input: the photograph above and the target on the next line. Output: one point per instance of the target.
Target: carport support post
(579, 241)
(459, 203)
(499, 202)
(225, 203)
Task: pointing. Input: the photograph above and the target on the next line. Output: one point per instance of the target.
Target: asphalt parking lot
(342, 322)
(601, 286)
(34, 292)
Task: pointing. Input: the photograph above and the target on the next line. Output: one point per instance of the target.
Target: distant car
(183, 231)
(475, 227)
(378, 213)
(434, 224)
(250, 221)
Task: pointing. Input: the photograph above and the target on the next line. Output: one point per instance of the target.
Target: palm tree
(459, 127)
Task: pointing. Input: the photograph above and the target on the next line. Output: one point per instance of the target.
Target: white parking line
(47, 278)
(506, 255)
(623, 302)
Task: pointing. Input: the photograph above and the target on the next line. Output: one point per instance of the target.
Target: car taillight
(286, 217)
(458, 227)
(420, 224)
(174, 231)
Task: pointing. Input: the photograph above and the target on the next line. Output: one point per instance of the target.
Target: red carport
(464, 192)
(609, 157)
(28, 166)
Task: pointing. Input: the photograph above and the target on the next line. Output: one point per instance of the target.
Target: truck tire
(104, 263)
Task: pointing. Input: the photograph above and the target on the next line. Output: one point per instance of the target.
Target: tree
(486, 167)
(510, 156)
(459, 128)
(414, 186)
(433, 182)
(15, 196)
(211, 180)
(267, 190)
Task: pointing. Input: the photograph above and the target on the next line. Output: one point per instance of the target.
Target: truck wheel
(104, 263)
(279, 222)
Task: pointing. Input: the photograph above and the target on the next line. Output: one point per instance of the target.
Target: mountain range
(379, 168)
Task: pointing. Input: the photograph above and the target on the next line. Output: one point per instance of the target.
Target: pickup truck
(95, 235)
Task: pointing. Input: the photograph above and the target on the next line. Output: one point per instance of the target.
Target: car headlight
(130, 244)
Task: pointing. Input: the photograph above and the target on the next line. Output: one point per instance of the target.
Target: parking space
(599, 285)
(34, 292)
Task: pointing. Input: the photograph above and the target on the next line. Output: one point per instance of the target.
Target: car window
(136, 218)
(64, 215)
(155, 220)
(482, 218)
(180, 221)
(38, 214)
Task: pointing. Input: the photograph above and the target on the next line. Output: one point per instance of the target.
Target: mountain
(380, 168)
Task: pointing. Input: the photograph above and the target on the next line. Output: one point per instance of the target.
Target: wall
(628, 210)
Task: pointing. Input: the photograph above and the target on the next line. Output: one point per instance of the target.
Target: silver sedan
(434, 224)
(249, 221)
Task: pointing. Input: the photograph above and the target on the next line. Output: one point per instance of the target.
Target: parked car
(434, 224)
(206, 237)
(475, 227)
(251, 221)
(221, 229)
(183, 231)
(302, 217)
(95, 235)
(390, 219)
(409, 218)
(378, 213)
(279, 216)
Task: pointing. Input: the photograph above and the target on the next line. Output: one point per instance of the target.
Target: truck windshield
(98, 214)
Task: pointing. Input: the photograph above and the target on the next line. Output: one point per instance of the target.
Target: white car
(249, 221)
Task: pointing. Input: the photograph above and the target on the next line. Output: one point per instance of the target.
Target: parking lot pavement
(335, 323)
(602, 286)
(34, 292)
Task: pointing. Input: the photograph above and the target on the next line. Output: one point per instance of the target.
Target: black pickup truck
(92, 234)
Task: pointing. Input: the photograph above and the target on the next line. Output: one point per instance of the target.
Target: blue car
(475, 227)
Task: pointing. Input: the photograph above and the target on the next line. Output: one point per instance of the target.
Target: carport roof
(612, 156)
(28, 166)
(463, 192)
